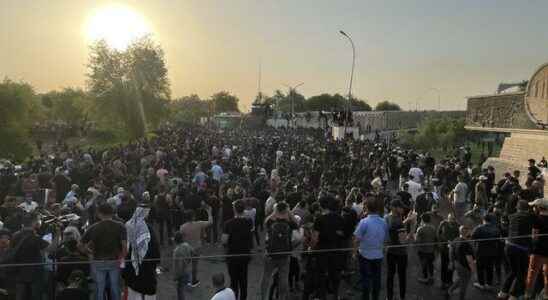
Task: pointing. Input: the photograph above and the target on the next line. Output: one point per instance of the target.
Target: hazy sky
(404, 48)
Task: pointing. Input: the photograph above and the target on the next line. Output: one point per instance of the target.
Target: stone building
(523, 115)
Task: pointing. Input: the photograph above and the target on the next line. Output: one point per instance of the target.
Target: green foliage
(225, 102)
(131, 87)
(326, 102)
(189, 109)
(387, 106)
(360, 105)
(436, 133)
(283, 102)
(336, 102)
(17, 109)
(71, 106)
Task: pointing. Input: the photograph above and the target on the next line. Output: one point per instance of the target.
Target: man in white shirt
(416, 174)
(459, 196)
(222, 292)
(415, 188)
(269, 204)
(28, 205)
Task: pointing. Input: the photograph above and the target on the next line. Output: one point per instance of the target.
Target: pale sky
(404, 48)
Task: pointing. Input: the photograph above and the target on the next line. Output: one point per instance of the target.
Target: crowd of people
(316, 210)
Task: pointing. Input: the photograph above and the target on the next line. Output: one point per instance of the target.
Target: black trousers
(396, 263)
(427, 264)
(294, 271)
(168, 225)
(237, 270)
(515, 280)
(485, 266)
(446, 274)
(330, 274)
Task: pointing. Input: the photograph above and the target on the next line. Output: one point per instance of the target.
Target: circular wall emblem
(536, 97)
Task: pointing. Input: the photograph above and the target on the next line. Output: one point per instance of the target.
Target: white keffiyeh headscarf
(138, 236)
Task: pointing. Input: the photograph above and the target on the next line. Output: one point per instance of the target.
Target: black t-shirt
(240, 237)
(540, 245)
(62, 185)
(405, 198)
(395, 227)
(106, 239)
(534, 171)
(350, 218)
(423, 204)
(463, 249)
(29, 251)
(330, 227)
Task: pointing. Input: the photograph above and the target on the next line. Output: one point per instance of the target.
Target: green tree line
(127, 91)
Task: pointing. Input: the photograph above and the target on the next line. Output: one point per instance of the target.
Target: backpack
(279, 237)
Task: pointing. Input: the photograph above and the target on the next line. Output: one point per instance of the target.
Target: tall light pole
(348, 109)
(292, 99)
(439, 92)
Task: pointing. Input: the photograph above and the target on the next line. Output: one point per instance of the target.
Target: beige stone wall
(378, 120)
(498, 111)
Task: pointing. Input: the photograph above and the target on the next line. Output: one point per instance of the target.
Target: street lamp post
(439, 101)
(348, 109)
(292, 99)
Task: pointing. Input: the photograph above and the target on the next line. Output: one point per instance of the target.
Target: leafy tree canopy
(387, 106)
(17, 105)
(225, 102)
(189, 109)
(131, 87)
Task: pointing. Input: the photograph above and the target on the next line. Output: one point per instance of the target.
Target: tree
(437, 133)
(71, 106)
(131, 87)
(16, 115)
(360, 105)
(225, 102)
(325, 102)
(387, 106)
(189, 109)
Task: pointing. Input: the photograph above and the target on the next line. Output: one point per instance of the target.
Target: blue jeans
(103, 271)
(182, 286)
(370, 270)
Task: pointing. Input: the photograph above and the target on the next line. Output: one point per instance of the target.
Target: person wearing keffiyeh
(143, 256)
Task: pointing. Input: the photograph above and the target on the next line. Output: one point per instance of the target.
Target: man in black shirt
(106, 241)
(29, 248)
(486, 251)
(534, 171)
(238, 239)
(462, 256)
(405, 198)
(517, 250)
(396, 256)
(329, 234)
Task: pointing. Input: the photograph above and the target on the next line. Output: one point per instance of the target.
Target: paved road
(207, 267)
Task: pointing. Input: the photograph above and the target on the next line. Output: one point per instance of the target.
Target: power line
(264, 254)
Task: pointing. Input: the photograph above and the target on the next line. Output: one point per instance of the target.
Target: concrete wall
(498, 111)
(377, 120)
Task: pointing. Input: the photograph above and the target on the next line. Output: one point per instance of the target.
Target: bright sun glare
(117, 25)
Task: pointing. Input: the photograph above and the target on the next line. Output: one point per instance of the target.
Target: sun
(117, 25)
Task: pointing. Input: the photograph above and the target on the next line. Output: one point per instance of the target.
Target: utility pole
(292, 99)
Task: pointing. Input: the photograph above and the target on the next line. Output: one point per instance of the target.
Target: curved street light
(349, 104)
(293, 88)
